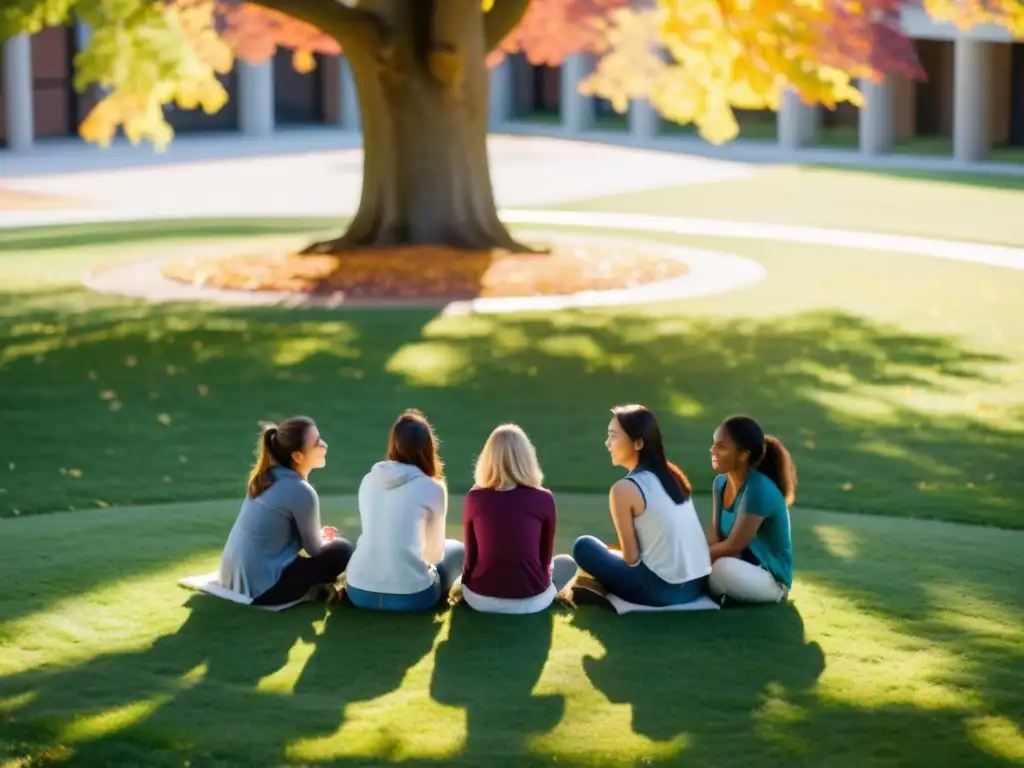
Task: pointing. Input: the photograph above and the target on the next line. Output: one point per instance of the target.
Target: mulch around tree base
(431, 272)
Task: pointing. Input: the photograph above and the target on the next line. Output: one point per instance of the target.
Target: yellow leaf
(203, 390)
(303, 61)
(101, 503)
(165, 419)
(74, 472)
(131, 361)
(108, 394)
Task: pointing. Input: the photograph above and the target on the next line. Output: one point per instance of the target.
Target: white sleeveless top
(672, 542)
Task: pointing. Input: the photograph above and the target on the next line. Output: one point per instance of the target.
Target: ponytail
(777, 465)
(260, 476)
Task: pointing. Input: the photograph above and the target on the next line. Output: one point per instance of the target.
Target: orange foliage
(431, 272)
(553, 29)
(255, 32)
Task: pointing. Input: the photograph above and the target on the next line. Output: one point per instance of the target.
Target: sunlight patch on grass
(118, 616)
(858, 406)
(775, 719)
(573, 345)
(592, 728)
(685, 406)
(431, 364)
(874, 663)
(16, 702)
(380, 727)
(95, 726)
(998, 736)
(283, 680)
(838, 541)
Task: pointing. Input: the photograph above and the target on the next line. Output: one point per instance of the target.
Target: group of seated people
(278, 551)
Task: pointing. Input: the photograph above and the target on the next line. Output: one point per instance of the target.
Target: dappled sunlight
(874, 662)
(838, 541)
(592, 728)
(89, 727)
(431, 364)
(999, 736)
(121, 615)
(382, 727)
(282, 681)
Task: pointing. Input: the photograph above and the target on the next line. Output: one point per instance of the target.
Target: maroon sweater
(509, 536)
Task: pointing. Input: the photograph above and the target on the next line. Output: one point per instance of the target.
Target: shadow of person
(360, 655)
(178, 691)
(702, 674)
(489, 666)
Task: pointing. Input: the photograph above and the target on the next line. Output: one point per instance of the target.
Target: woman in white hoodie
(402, 560)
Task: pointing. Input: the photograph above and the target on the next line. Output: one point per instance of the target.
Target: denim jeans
(635, 583)
(448, 570)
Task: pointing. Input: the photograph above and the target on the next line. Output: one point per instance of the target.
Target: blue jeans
(448, 570)
(634, 583)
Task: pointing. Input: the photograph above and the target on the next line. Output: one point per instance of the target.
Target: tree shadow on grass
(489, 666)
(848, 395)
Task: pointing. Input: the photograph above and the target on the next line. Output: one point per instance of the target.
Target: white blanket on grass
(623, 606)
(210, 584)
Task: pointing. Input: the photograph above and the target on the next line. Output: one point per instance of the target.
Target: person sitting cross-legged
(509, 522)
(402, 560)
(663, 558)
(750, 537)
(280, 519)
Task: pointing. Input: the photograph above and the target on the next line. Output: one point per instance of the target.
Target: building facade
(971, 107)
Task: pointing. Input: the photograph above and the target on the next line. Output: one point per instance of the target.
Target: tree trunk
(423, 98)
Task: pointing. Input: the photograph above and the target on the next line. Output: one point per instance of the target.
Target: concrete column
(972, 109)
(577, 108)
(19, 109)
(349, 98)
(256, 98)
(876, 118)
(644, 121)
(500, 94)
(799, 123)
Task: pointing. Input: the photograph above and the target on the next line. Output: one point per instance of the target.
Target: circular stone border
(709, 273)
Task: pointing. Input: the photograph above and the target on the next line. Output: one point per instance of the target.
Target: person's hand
(328, 532)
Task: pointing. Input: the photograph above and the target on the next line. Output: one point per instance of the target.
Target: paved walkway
(314, 180)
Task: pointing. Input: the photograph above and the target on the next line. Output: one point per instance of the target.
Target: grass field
(897, 381)
(880, 660)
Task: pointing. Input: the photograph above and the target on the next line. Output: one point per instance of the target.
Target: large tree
(420, 69)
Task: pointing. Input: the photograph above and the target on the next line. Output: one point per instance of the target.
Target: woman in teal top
(751, 547)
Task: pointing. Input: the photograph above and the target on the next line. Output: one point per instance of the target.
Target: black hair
(767, 453)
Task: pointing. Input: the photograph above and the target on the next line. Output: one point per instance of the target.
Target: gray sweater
(269, 533)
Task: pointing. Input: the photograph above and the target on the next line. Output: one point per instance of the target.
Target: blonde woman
(509, 521)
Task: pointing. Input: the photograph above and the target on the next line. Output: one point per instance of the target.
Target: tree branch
(333, 18)
(503, 17)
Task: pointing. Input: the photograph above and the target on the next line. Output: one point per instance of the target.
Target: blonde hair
(508, 458)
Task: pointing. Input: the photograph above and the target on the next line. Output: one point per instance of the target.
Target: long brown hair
(412, 441)
(275, 447)
(639, 423)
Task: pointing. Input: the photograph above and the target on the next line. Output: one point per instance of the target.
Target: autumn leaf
(75, 472)
(165, 419)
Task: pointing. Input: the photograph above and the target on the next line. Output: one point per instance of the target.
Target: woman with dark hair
(402, 560)
(663, 558)
(280, 518)
(751, 547)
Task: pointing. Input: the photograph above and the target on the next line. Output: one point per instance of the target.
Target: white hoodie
(403, 514)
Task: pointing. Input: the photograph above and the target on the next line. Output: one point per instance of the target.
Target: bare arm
(739, 537)
(712, 532)
(625, 501)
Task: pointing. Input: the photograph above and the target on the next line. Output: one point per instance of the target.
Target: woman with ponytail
(663, 556)
(280, 518)
(751, 547)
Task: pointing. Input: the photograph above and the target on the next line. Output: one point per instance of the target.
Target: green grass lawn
(897, 381)
(902, 646)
